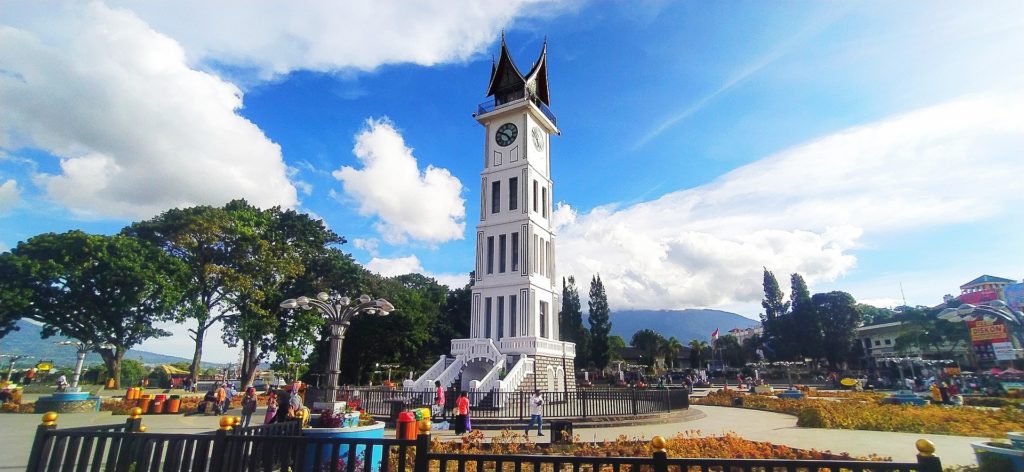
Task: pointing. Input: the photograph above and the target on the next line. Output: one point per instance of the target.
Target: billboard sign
(981, 296)
(987, 331)
(1003, 351)
(1014, 295)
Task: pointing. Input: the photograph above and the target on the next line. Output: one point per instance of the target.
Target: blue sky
(862, 144)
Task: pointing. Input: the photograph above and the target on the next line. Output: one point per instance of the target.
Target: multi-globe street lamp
(339, 312)
(83, 348)
(14, 358)
(996, 310)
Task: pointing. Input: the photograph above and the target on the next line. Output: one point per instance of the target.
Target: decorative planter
(1017, 438)
(792, 394)
(905, 397)
(373, 431)
(998, 458)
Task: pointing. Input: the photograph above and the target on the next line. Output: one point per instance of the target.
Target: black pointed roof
(505, 76)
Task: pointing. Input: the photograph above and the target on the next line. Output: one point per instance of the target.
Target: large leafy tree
(775, 318)
(108, 290)
(840, 319)
(805, 324)
(923, 330)
(15, 297)
(648, 342)
(670, 348)
(570, 319)
(599, 317)
(729, 350)
(198, 237)
(269, 251)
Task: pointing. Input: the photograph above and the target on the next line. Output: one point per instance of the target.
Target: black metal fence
(127, 448)
(583, 403)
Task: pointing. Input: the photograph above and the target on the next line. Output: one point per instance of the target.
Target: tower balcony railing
(491, 105)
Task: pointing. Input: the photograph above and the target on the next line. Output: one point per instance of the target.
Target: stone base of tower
(551, 374)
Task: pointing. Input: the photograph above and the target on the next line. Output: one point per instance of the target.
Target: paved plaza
(17, 431)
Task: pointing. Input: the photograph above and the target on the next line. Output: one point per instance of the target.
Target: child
(271, 408)
(249, 404)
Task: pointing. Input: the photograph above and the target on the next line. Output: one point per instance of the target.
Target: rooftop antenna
(904, 295)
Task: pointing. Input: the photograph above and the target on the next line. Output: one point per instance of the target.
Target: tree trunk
(197, 355)
(112, 361)
(250, 360)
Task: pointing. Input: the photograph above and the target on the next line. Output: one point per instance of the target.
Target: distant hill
(683, 324)
(27, 341)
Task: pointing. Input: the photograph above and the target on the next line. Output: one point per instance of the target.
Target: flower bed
(686, 444)
(875, 416)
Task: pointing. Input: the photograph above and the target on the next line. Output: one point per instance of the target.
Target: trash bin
(561, 432)
(156, 407)
(173, 404)
(145, 401)
(405, 428)
(738, 401)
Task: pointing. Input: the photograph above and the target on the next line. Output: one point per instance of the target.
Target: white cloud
(370, 245)
(278, 37)
(10, 196)
(421, 205)
(136, 128)
(804, 209)
(411, 265)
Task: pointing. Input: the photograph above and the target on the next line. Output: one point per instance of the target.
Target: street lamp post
(14, 358)
(339, 312)
(82, 348)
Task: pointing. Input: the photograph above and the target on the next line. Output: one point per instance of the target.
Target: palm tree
(671, 348)
(697, 348)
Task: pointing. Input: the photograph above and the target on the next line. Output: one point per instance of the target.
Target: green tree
(729, 350)
(775, 316)
(615, 346)
(698, 349)
(269, 252)
(95, 289)
(600, 323)
(570, 321)
(198, 237)
(805, 324)
(16, 297)
(873, 315)
(648, 342)
(922, 330)
(840, 318)
(671, 349)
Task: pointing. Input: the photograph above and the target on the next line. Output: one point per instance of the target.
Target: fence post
(582, 393)
(134, 422)
(633, 393)
(522, 399)
(660, 459)
(926, 459)
(220, 442)
(422, 448)
(41, 446)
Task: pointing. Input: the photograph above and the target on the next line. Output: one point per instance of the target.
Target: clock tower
(513, 342)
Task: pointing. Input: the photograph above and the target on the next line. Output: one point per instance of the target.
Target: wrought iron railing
(491, 105)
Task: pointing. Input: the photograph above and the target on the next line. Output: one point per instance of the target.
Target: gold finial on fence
(136, 413)
(424, 426)
(925, 448)
(236, 420)
(226, 422)
(142, 428)
(658, 443)
(50, 418)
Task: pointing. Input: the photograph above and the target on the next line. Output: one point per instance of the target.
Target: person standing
(30, 375)
(462, 418)
(536, 413)
(249, 404)
(220, 394)
(271, 408)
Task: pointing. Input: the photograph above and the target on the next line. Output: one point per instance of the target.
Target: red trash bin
(406, 426)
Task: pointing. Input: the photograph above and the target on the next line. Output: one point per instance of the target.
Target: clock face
(538, 139)
(506, 134)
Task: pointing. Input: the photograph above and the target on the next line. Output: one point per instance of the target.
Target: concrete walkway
(17, 430)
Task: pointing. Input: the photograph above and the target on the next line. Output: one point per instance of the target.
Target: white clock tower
(513, 342)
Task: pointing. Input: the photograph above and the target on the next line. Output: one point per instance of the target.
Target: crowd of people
(282, 404)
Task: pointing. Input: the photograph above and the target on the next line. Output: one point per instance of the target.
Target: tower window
(515, 252)
(543, 319)
(512, 315)
(544, 202)
(534, 196)
(533, 256)
(487, 317)
(501, 254)
(490, 254)
(501, 317)
(513, 193)
(495, 196)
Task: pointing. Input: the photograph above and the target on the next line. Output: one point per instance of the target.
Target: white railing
(478, 348)
(530, 345)
(426, 380)
(451, 372)
(516, 375)
(489, 382)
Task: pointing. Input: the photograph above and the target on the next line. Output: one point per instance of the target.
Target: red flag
(714, 335)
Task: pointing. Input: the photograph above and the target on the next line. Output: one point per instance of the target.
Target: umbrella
(1012, 371)
(995, 371)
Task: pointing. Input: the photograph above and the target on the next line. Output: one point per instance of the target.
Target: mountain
(683, 324)
(27, 341)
